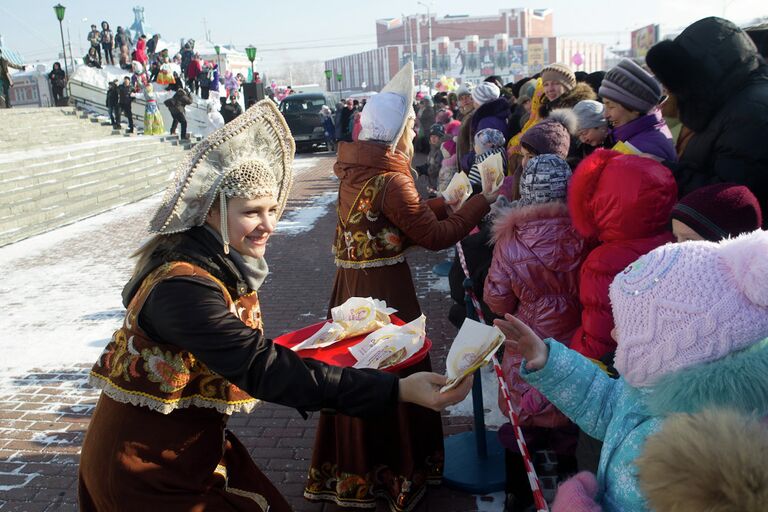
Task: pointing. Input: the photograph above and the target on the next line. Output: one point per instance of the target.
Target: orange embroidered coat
(380, 215)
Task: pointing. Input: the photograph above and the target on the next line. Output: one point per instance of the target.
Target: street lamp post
(59, 10)
(250, 52)
(429, 54)
(339, 77)
(328, 74)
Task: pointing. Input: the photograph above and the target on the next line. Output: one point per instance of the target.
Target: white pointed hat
(384, 117)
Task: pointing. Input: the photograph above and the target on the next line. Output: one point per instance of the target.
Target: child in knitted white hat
(691, 327)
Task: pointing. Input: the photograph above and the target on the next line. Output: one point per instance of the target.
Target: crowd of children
(580, 251)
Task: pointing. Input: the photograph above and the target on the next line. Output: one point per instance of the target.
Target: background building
(513, 43)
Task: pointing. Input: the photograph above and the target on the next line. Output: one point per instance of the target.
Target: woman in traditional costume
(380, 215)
(191, 350)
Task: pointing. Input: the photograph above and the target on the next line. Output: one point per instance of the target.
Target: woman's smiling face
(250, 223)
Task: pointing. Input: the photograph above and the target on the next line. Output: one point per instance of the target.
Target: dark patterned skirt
(357, 461)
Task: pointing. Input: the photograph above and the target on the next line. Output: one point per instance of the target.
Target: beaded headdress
(250, 157)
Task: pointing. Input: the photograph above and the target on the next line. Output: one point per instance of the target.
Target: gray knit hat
(544, 179)
(631, 86)
(589, 114)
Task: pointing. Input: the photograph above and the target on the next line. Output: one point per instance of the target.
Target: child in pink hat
(692, 333)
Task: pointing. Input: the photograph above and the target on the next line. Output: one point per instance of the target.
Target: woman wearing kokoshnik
(191, 350)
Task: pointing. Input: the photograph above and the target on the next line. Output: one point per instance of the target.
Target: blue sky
(302, 30)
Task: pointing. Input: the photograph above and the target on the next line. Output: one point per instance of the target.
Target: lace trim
(383, 262)
(162, 406)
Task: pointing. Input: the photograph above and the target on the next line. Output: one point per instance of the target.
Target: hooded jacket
(534, 275)
(721, 87)
(623, 416)
(624, 203)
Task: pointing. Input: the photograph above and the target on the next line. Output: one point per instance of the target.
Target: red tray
(337, 354)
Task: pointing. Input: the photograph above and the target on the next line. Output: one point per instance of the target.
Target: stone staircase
(59, 165)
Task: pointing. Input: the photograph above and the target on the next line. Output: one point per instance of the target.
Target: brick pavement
(44, 414)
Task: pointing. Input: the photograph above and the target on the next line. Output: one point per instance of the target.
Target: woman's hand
(423, 389)
(453, 200)
(522, 340)
(490, 194)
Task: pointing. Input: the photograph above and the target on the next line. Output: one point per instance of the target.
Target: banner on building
(487, 62)
(516, 58)
(394, 23)
(535, 57)
(643, 39)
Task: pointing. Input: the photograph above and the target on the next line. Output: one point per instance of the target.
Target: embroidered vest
(137, 370)
(365, 238)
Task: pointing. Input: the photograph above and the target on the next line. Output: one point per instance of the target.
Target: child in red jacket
(623, 203)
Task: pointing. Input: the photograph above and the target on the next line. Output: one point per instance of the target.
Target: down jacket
(535, 276)
(623, 201)
(721, 86)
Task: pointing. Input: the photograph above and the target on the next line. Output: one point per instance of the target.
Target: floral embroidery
(391, 238)
(165, 368)
(135, 369)
(366, 238)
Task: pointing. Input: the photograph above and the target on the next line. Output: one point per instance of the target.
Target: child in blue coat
(691, 327)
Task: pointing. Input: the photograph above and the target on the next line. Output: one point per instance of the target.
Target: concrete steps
(74, 168)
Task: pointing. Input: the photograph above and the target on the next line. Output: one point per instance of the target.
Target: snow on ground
(303, 219)
(60, 302)
(60, 295)
(493, 416)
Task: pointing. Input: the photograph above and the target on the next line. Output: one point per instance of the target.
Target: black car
(302, 113)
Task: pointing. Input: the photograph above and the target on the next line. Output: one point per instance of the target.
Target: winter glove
(577, 494)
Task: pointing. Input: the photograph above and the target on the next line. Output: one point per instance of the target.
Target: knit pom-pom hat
(687, 304)
(552, 136)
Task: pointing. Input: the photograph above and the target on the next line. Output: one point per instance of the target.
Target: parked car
(302, 113)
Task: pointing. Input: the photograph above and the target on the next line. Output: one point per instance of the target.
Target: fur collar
(509, 218)
(738, 381)
(569, 99)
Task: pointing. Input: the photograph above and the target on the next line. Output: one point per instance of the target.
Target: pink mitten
(577, 494)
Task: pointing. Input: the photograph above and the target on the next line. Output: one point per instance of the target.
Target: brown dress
(158, 438)
(355, 461)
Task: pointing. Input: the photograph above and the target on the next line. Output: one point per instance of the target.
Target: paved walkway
(44, 413)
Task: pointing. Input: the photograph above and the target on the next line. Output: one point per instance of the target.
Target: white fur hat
(384, 117)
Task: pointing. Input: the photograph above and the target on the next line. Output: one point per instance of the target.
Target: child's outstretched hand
(521, 339)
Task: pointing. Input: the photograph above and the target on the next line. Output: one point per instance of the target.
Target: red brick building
(513, 43)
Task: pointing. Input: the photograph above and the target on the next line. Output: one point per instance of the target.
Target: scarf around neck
(254, 270)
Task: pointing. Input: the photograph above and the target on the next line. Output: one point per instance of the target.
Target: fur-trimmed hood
(621, 197)
(737, 381)
(705, 66)
(545, 230)
(716, 460)
(510, 218)
(568, 99)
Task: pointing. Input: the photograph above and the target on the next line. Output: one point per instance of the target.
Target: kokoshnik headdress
(250, 157)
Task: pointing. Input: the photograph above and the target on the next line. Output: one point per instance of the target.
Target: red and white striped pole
(533, 479)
